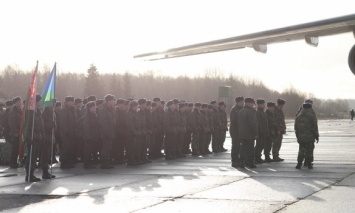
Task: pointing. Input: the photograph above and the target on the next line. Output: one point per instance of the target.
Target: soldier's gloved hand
(317, 139)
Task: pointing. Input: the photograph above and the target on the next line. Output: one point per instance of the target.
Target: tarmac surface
(200, 184)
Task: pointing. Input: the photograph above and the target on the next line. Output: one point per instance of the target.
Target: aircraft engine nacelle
(351, 59)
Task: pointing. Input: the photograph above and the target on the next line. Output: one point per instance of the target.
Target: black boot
(299, 165)
(32, 178)
(47, 175)
(267, 159)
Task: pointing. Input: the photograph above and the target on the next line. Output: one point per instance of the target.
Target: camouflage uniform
(133, 131)
(224, 128)
(181, 133)
(196, 125)
(262, 133)
(272, 131)
(306, 129)
(15, 123)
(187, 140)
(281, 129)
(121, 136)
(90, 136)
(205, 129)
(233, 130)
(68, 121)
(170, 129)
(108, 134)
(247, 132)
(217, 126)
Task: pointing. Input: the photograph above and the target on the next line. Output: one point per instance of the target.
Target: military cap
(249, 100)
(221, 103)
(85, 101)
(142, 101)
(307, 105)
(169, 103)
(120, 101)
(162, 102)
(197, 104)
(16, 99)
(185, 104)
(280, 101)
(126, 102)
(156, 99)
(8, 103)
(154, 104)
(181, 105)
(210, 106)
(99, 101)
(109, 97)
(190, 104)
(78, 100)
(58, 104)
(308, 101)
(90, 104)
(149, 103)
(91, 98)
(239, 99)
(133, 103)
(175, 101)
(204, 106)
(213, 102)
(260, 101)
(38, 97)
(271, 104)
(69, 98)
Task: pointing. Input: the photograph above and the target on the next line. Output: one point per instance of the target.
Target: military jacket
(205, 128)
(91, 126)
(121, 122)
(37, 126)
(306, 127)
(280, 120)
(49, 121)
(5, 122)
(133, 123)
(182, 122)
(247, 123)
(15, 120)
(148, 121)
(210, 121)
(68, 121)
(262, 123)
(233, 128)
(107, 122)
(170, 122)
(196, 121)
(216, 119)
(223, 119)
(271, 122)
(143, 121)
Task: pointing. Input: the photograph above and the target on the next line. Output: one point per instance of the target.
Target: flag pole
(33, 123)
(55, 67)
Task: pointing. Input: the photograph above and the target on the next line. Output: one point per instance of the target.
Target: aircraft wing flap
(298, 32)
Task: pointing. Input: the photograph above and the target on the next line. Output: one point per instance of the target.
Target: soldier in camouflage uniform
(149, 129)
(133, 132)
(5, 121)
(153, 154)
(90, 133)
(68, 122)
(160, 128)
(210, 123)
(170, 130)
(233, 130)
(107, 123)
(281, 130)
(217, 126)
(182, 129)
(263, 131)
(205, 129)
(247, 132)
(142, 140)
(119, 144)
(272, 129)
(196, 125)
(306, 129)
(78, 103)
(34, 142)
(187, 141)
(224, 124)
(15, 123)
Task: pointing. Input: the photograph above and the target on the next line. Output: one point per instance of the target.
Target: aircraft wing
(309, 31)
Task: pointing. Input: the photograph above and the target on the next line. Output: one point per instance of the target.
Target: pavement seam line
(330, 185)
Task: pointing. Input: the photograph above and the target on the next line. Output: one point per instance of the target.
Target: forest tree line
(15, 82)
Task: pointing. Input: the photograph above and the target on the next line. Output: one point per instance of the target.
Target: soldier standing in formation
(272, 129)
(224, 125)
(262, 130)
(5, 121)
(247, 132)
(234, 132)
(281, 129)
(15, 123)
(90, 134)
(306, 129)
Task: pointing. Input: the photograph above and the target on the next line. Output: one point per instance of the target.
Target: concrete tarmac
(200, 184)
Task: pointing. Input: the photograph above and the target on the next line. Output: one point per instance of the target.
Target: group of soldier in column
(134, 132)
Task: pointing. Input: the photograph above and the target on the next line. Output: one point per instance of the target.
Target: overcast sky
(108, 34)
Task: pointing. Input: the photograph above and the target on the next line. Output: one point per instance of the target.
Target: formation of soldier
(135, 132)
(250, 123)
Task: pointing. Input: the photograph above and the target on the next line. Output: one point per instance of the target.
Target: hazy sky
(108, 34)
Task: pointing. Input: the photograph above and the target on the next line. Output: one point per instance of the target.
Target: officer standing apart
(306, 129)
